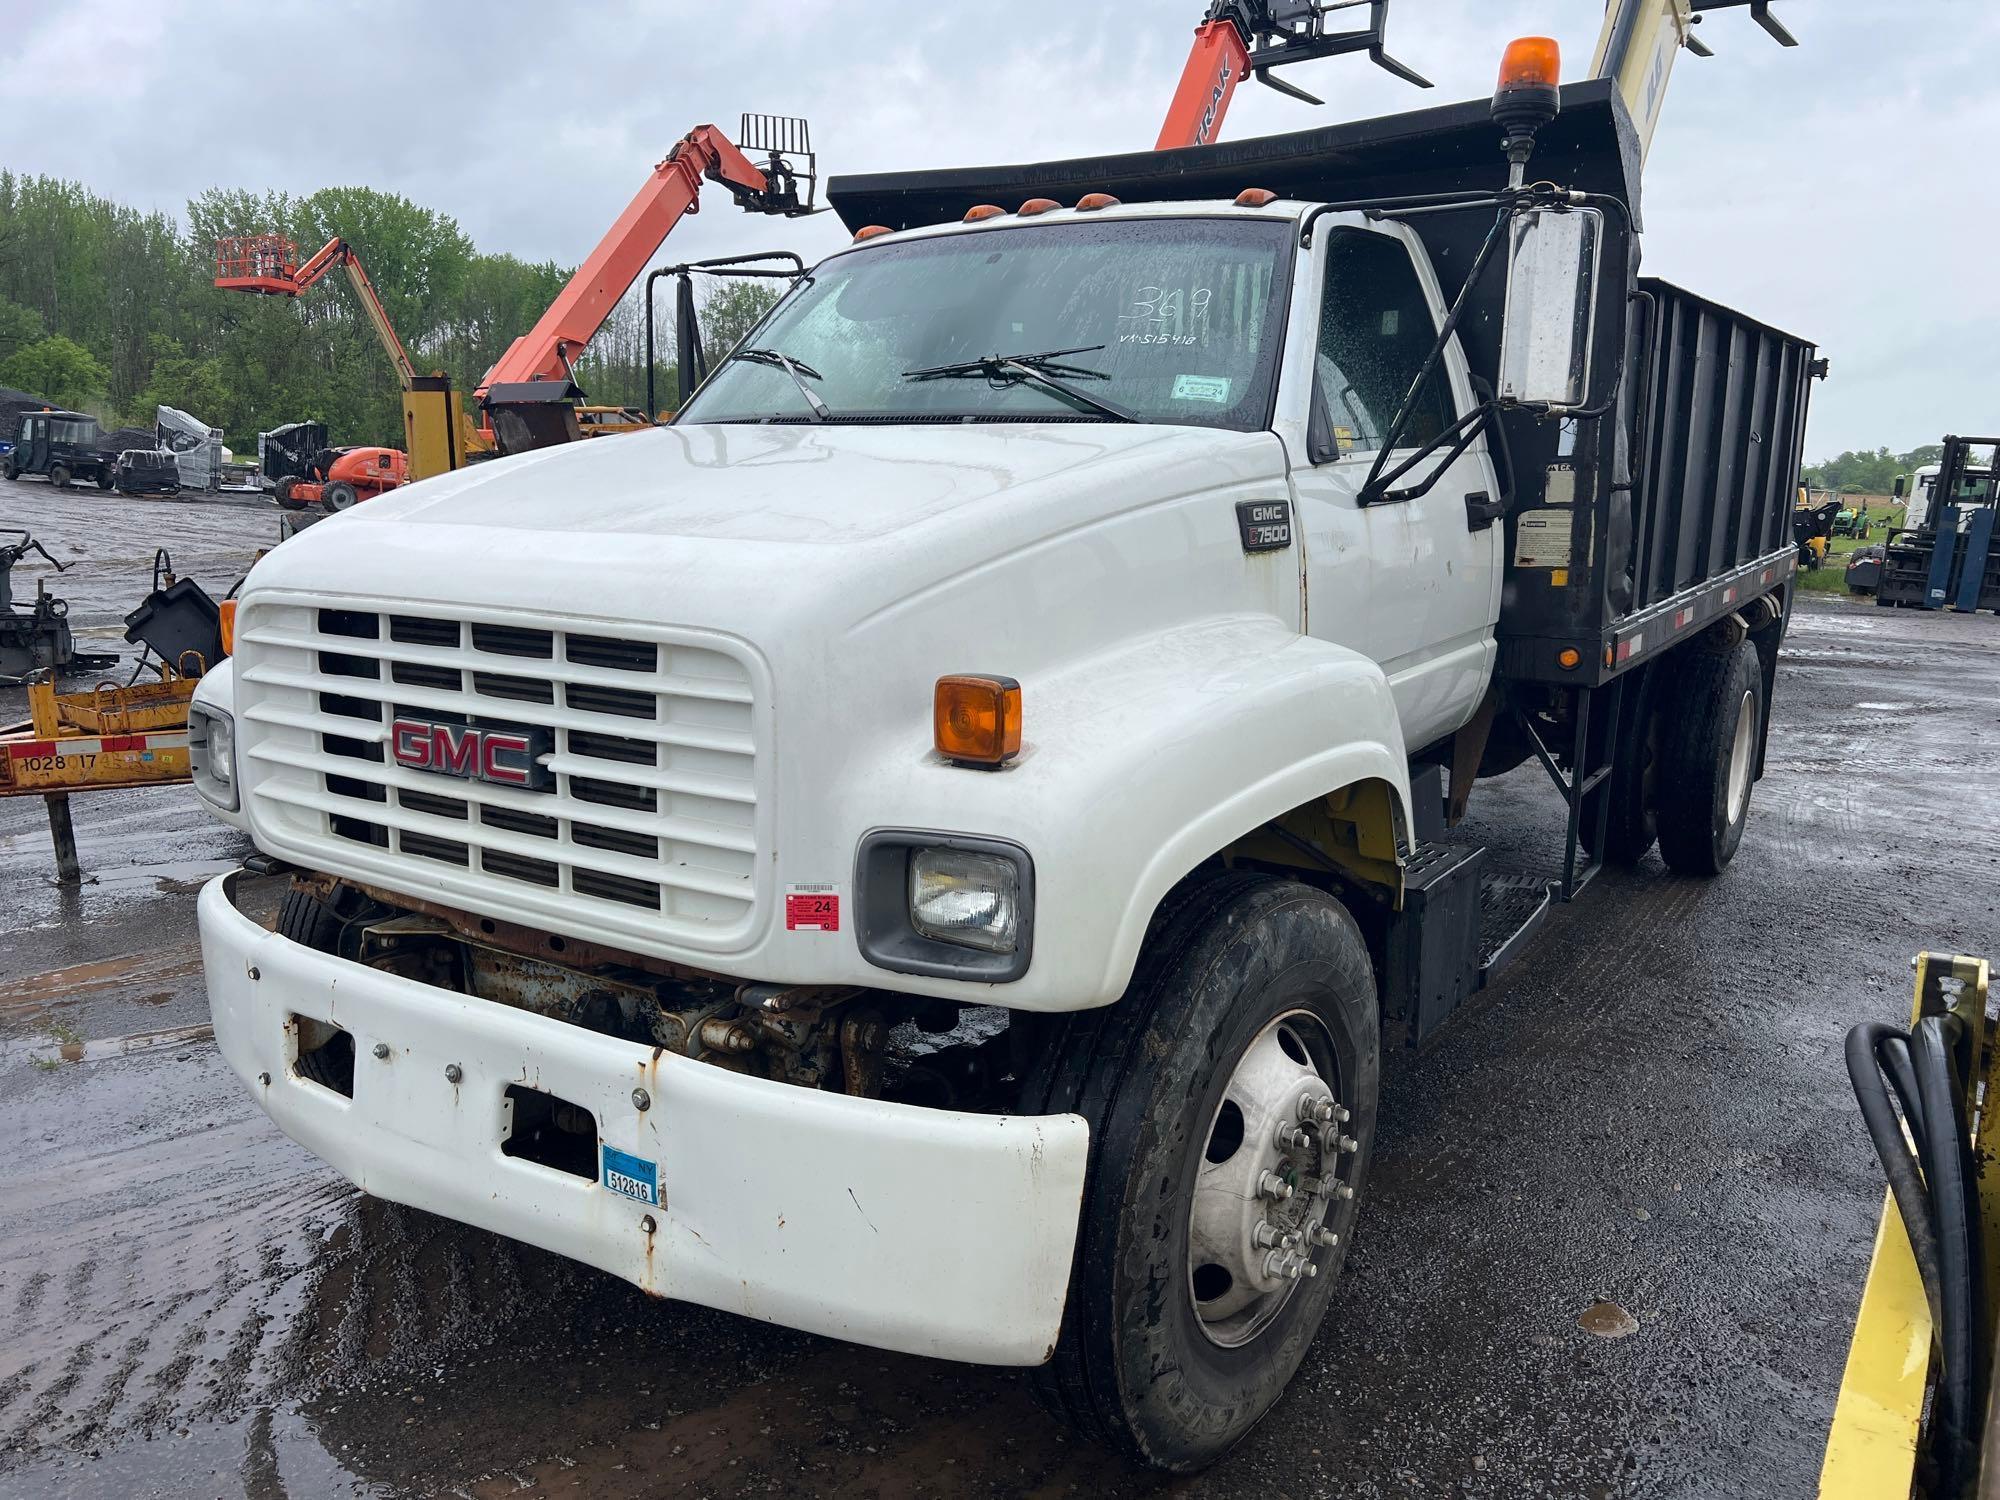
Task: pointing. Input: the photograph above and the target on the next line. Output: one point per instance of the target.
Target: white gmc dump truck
(929, 847)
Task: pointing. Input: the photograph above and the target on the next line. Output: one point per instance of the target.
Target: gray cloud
(1836, 190)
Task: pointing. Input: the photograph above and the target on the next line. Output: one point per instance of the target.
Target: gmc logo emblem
(508, 757)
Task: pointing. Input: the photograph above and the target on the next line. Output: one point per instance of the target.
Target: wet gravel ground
(1648, 1109)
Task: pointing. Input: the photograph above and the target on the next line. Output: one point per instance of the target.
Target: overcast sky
(1842, 191)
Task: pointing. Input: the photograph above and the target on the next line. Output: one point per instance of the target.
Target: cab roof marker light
(1038, 206)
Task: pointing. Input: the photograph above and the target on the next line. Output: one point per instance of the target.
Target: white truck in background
(928, 847)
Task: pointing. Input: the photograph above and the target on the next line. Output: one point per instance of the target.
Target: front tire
(1253, 1005)
(1709, 757)
(339, 496)
(59, 476)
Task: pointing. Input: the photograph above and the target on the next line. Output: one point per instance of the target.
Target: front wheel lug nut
(1271, 1185)
(1343, 1190)
(1264, 1236)
(1345, 1144)
(1325, 1238)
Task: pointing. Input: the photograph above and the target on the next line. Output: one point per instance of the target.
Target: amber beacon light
(977, 720)
(1530, 69)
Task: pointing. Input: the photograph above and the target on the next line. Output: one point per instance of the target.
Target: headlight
(947, 905)
(212, 755)
(958, 896)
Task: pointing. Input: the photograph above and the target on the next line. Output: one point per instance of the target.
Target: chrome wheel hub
(1742, 752)
(1270, 1175)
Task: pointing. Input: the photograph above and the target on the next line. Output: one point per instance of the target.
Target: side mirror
(1551, 315)
(1899, 487)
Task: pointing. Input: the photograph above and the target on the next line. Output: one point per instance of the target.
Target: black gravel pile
(12, 404)
(118, 439)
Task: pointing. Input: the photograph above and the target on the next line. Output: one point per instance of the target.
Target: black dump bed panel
(1712, 416)
(1721, 433)
(1674, 504)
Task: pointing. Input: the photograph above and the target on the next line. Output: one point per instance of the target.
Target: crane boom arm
(337, 252)
(548, 349)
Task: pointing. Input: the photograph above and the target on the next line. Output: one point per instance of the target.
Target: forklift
(63, 446)
(1952, 559)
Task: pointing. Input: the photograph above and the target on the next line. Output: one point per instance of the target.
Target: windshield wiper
(1041, 368)
(798, 369)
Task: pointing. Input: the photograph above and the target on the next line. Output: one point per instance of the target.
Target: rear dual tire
(1710, 746)
(1241, 973)
(1686, 763)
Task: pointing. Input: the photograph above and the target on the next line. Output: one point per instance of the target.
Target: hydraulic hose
(1933, 1186)
(1865, 1043)
(1949, 1171)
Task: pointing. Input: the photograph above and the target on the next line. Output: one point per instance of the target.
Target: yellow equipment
(108, 738)
(1641, 39)
(1897, 1430)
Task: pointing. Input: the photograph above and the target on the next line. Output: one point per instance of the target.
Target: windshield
(1168, 320)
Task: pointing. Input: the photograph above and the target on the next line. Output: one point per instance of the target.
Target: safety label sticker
(1543, 538)
(812, 908)
(631, 1176)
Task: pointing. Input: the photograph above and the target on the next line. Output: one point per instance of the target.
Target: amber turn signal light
(1568, 658)
(976, 720)
(228, 612)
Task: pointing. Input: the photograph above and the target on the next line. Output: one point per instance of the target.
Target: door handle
(1482, 510)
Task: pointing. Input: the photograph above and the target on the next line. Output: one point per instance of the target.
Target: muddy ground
(1649, 1109)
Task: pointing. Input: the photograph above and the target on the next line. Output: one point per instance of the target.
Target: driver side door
(1412, 583)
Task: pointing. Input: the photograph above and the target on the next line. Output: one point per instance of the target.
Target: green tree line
(113, 311)
(1860, 473)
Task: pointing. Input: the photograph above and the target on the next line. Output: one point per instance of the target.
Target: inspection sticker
(1202, 388)
(631, 1176)
(812, 908)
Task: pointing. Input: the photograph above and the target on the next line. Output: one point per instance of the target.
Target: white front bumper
(926, 1231)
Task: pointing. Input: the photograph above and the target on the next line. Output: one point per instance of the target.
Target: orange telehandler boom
(529, 398)
(1239, 37)
(548, 351)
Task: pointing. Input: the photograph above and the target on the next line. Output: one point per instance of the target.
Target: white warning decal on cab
(1543, 538)
(812, 908)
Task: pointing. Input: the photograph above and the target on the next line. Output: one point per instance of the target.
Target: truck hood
(754, 529)
(807, 484)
